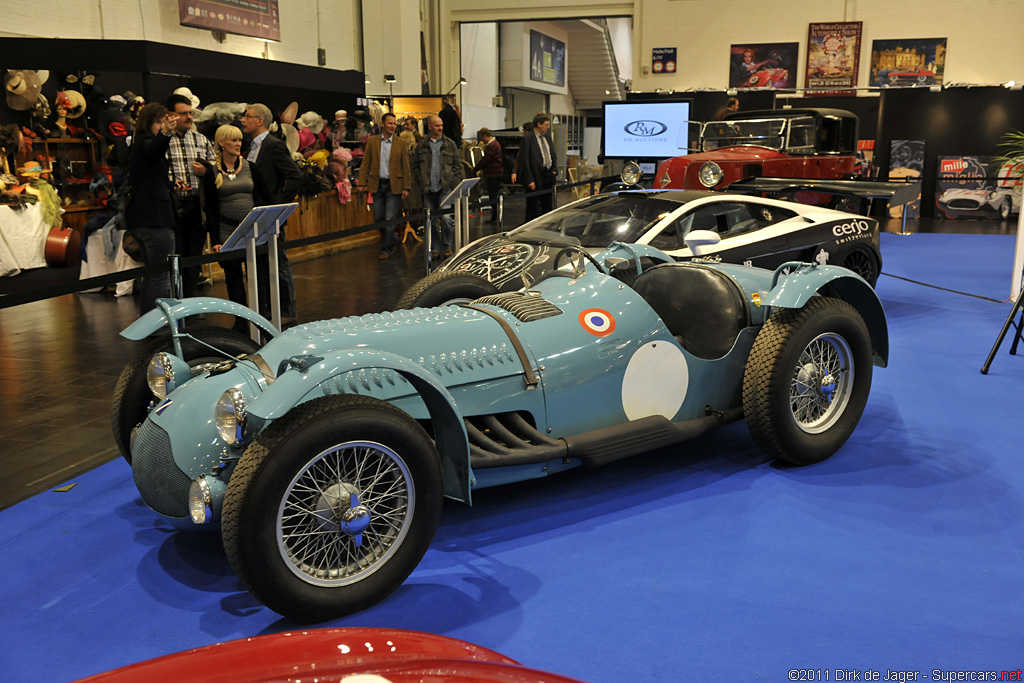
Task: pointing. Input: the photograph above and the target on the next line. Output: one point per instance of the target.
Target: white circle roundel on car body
(655, 382)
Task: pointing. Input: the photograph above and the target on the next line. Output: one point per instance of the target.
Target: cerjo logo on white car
(851, 228)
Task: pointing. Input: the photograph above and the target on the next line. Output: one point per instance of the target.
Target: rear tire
(446, 288)
(807, 380)
(863, 262)
(132, 397)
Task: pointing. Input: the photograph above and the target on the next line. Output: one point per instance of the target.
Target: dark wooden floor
(60, 358)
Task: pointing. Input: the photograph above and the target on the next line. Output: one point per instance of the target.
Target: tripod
(1019, 325)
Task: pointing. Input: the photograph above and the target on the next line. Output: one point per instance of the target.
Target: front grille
(963, 204)
(163, 486)
(525, 307)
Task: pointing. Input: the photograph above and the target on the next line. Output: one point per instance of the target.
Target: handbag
(132, 246)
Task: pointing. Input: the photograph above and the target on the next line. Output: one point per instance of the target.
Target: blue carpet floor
(706, 562)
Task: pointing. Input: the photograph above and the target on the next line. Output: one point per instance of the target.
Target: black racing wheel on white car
(446, 288)
(332, 507)
(807, 380)
(862, 261)
(132, 396)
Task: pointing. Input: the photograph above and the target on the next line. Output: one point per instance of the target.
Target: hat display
(291, 137)
(23, 87)
(340, 115)
(312, 121)
(360, 115)
(306, 138)
(73, 101)
(32, 169)
(289, 113)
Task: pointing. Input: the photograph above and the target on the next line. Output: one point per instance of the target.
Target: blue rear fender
(296, 386)
(796, 289)
(172, 310)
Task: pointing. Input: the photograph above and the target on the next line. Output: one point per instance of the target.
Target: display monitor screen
(646, 130)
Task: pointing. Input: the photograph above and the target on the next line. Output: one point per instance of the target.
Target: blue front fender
(807, 280)
(295, 386)
(173, 310)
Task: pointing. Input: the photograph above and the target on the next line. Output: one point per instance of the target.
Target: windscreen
(762, 132)
(598, 221)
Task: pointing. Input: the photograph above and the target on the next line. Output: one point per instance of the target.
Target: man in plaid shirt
(187, 147)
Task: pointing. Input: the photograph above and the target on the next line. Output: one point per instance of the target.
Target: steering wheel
(577, 267)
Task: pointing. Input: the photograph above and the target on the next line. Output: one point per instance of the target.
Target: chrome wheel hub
(822, 383)
(345, 514)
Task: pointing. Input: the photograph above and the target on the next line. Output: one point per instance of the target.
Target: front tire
(1005, 208)
(807, 380)
(332, 507)
(446, 288)
(130, 403)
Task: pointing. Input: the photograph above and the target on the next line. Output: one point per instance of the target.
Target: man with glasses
(282, 175)
(187, 147)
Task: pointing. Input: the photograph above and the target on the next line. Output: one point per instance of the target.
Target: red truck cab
(779, 143)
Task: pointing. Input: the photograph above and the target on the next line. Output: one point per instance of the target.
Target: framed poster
(977, 187)
(257, 18)
(763, 65)
(833, 56)
(908, 62)
(547, 59)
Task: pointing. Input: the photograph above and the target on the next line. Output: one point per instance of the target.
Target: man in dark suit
(538, 166)
(283, 177)
(452, 123)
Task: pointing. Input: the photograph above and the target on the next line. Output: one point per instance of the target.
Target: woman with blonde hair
(231, 191)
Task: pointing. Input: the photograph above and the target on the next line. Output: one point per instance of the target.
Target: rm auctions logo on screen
(645, 128)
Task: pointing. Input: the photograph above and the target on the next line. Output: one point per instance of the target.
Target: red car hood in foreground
(328, 655)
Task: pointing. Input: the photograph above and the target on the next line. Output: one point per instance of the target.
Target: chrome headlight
(710, 174)
(165, 373)
(200, 500)
(229, 416)
(631, 173)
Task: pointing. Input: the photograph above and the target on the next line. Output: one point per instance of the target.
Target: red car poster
(763, 65)
(833, 56)
(908, 62)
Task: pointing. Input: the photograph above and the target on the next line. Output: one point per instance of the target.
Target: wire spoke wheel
(822, 383)
(344, 514)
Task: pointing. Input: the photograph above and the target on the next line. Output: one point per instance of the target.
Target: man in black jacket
(538, 166)
(452, 123)
(283, 177)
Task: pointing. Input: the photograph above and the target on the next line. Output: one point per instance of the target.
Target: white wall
(984, 37)
(305, 26)
(391, 33)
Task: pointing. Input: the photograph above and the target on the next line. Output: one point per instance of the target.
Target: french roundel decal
(597, 322)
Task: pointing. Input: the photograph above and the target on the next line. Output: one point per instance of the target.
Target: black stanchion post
(174, 277)
(428, 235)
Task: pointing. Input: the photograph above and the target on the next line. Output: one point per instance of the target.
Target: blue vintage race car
(324, 455)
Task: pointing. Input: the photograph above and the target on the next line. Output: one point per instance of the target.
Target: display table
(97, 262)
(22, 239)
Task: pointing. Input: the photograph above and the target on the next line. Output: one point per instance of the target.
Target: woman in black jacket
(149, 214)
